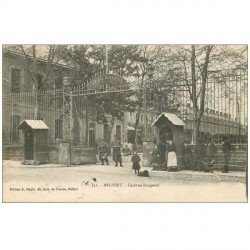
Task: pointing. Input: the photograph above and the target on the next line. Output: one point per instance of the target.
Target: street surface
(97, 183)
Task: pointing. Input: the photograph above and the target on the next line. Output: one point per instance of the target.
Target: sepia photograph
(124, 122)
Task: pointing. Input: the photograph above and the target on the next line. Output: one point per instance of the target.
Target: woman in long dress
(171, 157)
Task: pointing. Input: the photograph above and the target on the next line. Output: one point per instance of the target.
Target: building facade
(19, 103)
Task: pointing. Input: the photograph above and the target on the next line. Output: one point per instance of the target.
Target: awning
(34, 124)
(130, 128)
(172, 118)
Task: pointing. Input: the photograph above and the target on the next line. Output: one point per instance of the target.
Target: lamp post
(150, 73)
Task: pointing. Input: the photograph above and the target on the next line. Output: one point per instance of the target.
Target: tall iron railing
(225, 108)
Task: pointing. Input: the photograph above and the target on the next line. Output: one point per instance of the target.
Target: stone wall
(58, 154)
(14, 153)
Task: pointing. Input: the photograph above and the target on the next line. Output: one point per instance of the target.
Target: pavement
(97, 183)
(217, 176)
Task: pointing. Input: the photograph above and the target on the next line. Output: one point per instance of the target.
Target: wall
(58, 154)
(79, 154)
(14, 153)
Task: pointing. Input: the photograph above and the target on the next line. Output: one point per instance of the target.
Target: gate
(66, 111)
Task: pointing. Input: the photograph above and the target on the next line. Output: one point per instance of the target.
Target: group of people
(168, 156)
(127, 148)
(103, 151)
(202, 159)
(205, 155)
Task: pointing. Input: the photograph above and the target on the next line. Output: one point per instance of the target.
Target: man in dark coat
(117, 156)
(103, 152)
(97, 145)
(200, 154)
(226, 148)
(187, 156)
(155, 157)
(210, 156)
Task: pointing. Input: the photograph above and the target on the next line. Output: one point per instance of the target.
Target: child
(136, 165)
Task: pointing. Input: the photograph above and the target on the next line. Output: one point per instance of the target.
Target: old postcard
(124, 123)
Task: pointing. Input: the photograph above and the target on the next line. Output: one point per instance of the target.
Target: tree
(50, 56)
(192, 65)
(110, 107)
(85, 63)
(154, 86)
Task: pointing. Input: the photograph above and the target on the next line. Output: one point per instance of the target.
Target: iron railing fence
(225, 110)
(22, 106)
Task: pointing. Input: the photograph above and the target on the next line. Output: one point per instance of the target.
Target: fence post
(68, 114)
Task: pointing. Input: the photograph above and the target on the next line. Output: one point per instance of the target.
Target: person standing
(117, 156)
(155, 156)
(226, 148)
(187, 156)
(130, 148)
(200, 153)
(103, 152)
(210, 156)
(98, 144)
(171, 157)
(136, 162)
(125, 148)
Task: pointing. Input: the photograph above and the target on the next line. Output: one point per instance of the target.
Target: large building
(19, 103)
(19, 90)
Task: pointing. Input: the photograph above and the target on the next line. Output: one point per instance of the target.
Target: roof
(40, 57)
(172, 118)
(34, 124)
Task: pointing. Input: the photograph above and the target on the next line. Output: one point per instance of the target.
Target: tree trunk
(110, 130)
(196, 130)
(136, 129)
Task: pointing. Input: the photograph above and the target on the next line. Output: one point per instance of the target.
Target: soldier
(210, 156)
(226, 148)
(187, 156)
(98, 144)
(117, 156)
(103, 152)
(200, 153)
(156, 157)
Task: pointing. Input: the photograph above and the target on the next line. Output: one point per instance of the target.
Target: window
(15, 80)
(118, 132)
(105, 132)
(14, 131)
(58, 129)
